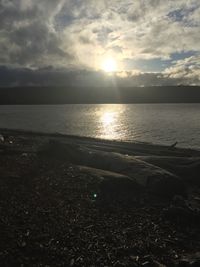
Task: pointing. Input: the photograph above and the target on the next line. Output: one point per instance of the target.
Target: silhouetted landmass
(66, 95)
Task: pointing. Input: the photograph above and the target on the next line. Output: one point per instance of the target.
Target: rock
(72, 262)
(158, 264)
(146, 263)
(189, 263)
(2, 139)
(119, 264)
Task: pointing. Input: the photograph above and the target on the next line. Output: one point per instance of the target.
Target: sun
(109, 65)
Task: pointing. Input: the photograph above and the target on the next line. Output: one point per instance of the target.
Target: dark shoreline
(58, 207)
(77, 138)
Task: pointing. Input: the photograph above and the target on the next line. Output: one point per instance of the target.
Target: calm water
(155, 123)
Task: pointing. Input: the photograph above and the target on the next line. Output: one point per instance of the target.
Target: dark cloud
(50, 76)
(26, 37)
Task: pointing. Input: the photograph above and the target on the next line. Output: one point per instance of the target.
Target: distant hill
(65, 95)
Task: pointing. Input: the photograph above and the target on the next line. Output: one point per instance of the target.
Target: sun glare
(108, 118)
(109, 65)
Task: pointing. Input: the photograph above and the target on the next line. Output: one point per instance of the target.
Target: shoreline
(78, 138)
(80, 201)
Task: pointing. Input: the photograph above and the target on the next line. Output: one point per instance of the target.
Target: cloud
(188, 70)
(26, 34)
(79, 34)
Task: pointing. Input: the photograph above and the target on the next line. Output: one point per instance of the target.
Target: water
(154, 123)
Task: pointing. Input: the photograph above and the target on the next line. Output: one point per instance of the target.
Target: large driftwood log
(188, 168)
(152, 177)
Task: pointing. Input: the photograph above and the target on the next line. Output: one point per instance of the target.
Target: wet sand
(74, 201)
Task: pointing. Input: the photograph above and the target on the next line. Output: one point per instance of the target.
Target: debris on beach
(2, 138)
(81, 206)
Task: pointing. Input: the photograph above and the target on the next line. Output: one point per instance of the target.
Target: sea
(152, 123)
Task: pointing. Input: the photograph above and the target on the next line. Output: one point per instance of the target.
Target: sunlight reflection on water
(110, 121)
(108, 118)
(155, 123)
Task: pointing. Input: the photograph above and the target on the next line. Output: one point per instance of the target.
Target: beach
(77, 201)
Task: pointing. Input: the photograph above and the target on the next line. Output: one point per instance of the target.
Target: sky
(67, 42)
